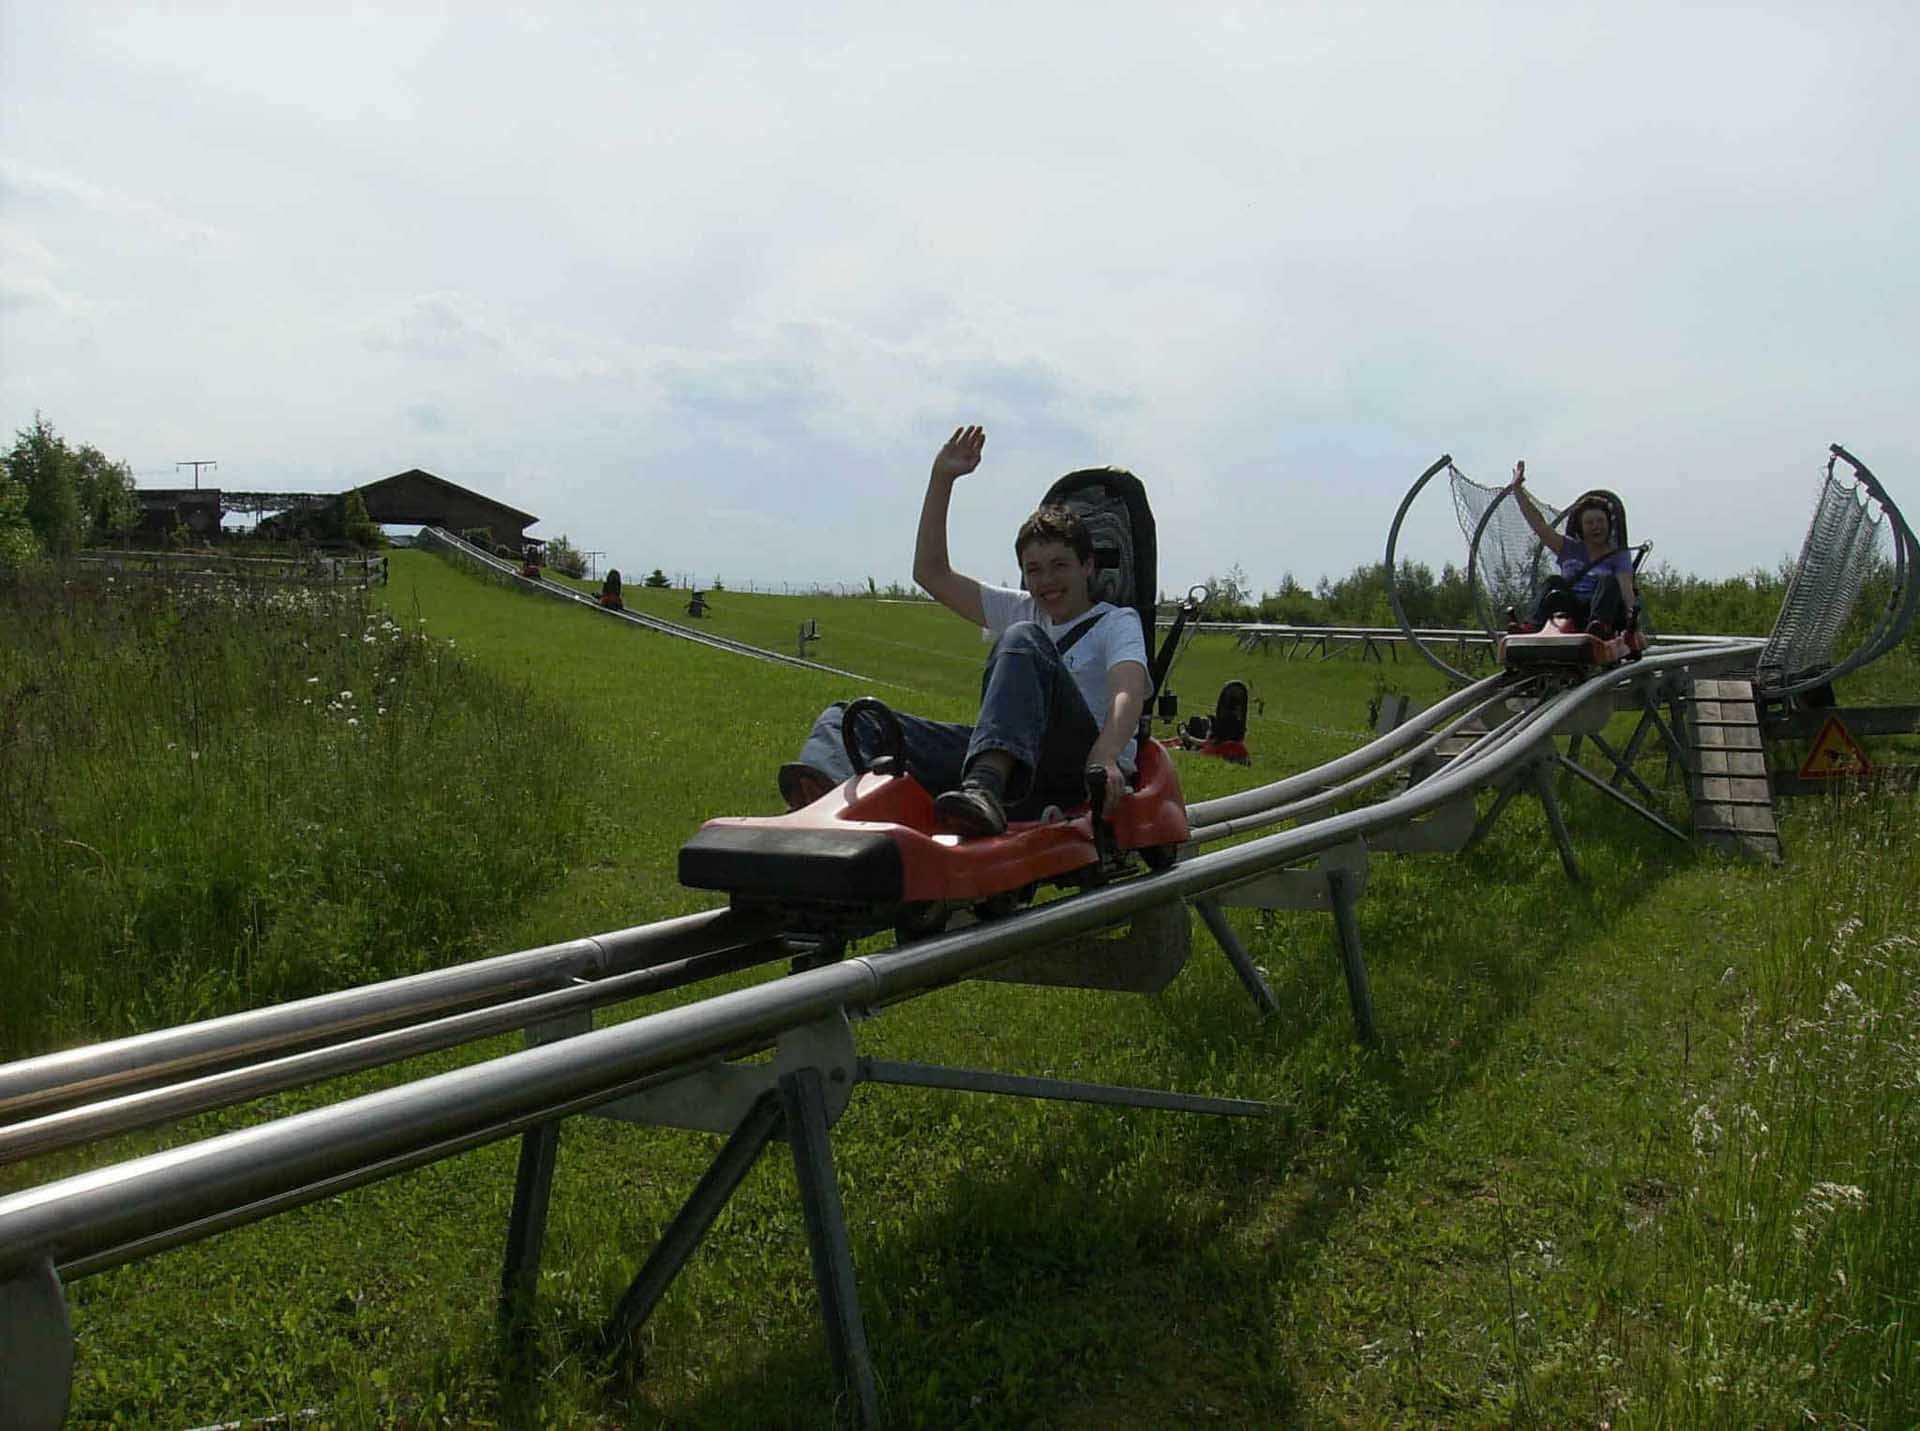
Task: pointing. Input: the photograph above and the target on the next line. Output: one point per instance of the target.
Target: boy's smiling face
(1056, 579)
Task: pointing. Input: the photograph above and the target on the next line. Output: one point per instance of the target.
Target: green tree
(355, 525)
(41, 462)
(657, 579)
(18, 544)
(105, 491)
(564, 556)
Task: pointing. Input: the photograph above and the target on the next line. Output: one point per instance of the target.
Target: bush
(356, 526)
(213, 800)
(563, 556)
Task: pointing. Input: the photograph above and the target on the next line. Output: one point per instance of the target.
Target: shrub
(215, 799)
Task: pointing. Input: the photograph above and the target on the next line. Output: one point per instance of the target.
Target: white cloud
(629, 269)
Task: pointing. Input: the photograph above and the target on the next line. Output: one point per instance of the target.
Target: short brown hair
(1054, 524)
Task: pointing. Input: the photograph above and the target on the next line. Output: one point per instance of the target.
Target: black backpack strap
(1067, 642)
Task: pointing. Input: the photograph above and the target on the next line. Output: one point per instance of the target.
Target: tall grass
(1802, 1283)
(1500, 1214)
(213, 798)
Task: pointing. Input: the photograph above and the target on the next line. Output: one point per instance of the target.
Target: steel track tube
(97, 1218)
(1335, 794)
(56, 1080)
(1307, 782)
(91, 1121)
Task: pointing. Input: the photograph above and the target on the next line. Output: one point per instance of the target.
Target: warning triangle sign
(1835, 753)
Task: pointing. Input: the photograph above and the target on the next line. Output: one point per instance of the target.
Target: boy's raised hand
(961, 454)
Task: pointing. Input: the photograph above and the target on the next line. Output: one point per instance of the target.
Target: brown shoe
(802, 784)
(971, 810)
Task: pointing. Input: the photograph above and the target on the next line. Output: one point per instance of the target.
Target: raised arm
(931, 569)
(1542, 529)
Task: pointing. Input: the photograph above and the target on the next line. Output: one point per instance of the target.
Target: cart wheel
(921, 920)
(1160, 857)
(1008, 901)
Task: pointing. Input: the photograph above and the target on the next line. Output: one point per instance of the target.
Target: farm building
(419, 498)
(164, 508)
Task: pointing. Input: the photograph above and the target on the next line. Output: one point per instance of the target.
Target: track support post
(532, 1194)
(805, 1116)
(36, 1372)
(1556, 821)
(1347, 925)
(1334, 883)
(1223, 933)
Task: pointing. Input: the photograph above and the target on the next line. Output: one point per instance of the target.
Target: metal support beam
(1347, 926)
(36, 1348)
(1622, 770)
(690, 1224)
(1677, 756)
(975, 1080)
(1613, 793)
(805, 1108)
(1486, 821)
(1251, 978)
(527, 1229)
(1543, 787)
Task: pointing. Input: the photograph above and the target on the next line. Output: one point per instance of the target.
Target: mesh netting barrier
(1508, 561)
(1856, 531)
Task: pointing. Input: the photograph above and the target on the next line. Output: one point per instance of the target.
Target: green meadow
(1642, 1151)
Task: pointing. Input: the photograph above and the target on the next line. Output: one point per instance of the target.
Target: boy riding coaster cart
(897, 820)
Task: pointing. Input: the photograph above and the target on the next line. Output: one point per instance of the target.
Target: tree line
(1677, 602)
(56, 498)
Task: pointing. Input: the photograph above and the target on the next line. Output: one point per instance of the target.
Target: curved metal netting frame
(1519, 560)
(1444, 463)
(1826, 582)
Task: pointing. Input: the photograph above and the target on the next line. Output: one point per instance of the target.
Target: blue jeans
(1029, 708)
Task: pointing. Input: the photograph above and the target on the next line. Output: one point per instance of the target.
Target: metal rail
(35, 1086)
(99, 1219)
(651, 623)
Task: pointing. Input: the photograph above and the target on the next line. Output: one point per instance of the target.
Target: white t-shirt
(1116, 637)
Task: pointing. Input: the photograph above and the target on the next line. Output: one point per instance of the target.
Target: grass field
(1638, 1152)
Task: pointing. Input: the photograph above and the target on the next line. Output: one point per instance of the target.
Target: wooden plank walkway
(1732, 797)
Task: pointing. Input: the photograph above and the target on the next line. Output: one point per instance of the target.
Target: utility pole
(196, 466)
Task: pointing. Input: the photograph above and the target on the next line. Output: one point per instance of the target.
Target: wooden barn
(162, 509)
(415, 497)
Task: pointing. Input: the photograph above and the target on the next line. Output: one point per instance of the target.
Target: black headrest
(1112, 502)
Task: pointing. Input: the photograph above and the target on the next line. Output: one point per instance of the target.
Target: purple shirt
(1584, 576)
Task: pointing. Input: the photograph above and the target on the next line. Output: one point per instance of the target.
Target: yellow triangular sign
(1835, 752)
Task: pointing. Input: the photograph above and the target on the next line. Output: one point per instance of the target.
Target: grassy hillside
(1637, 1152)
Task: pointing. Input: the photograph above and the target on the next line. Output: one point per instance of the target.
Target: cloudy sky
(705, 285)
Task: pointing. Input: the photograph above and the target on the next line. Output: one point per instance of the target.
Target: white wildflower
(1706, 1128)
(1829, 1196)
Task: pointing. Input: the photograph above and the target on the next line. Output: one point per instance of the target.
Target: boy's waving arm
(960, 594)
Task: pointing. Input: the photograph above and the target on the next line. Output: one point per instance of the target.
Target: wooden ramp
(1732, 797)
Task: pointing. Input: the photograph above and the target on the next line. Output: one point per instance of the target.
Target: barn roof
(413, 474)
